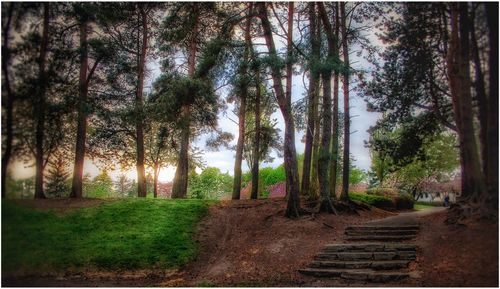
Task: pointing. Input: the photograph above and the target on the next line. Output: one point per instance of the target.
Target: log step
(369, 247)
(375, 265)
(361, 256)
(361, 275)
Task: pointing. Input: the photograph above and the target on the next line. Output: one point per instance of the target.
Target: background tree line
(74, 85)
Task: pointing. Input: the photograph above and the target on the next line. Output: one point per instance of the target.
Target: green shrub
(100, 187)
(403, 202)
(381, 202)
(272, 176)
(387, 192)
(210, 184)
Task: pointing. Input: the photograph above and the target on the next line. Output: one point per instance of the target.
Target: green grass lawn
(422, 206)
(125, 234)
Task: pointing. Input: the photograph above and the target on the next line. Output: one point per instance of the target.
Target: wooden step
(361, 256)
(361, 275)
(380, 232)
(369, 247)
(380, 238)
(375, 265)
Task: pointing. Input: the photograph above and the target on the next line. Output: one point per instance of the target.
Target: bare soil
(457, 255)
(251, 243)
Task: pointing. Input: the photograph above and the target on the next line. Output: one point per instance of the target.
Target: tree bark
(180, 183)
(480, 95)
(492, 148)
(312, 101)
(256, 144)
(326, 77)
(39, 108)
(179, 187)
(10, 99)
(314, 184)
(284, 102)
(242, 111)
(155, 180)
(81, 132)
(345, 164)
(139, 107)
(335, 118)
(459, 77)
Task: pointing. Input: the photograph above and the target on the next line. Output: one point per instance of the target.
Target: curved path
(406, 219)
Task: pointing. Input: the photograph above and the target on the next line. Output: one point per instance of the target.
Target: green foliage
(125, 187)
(268, 176)
(436, 160)
(357, 175)
(124, 234)
(210, 184)
(403, 201)
(100, 187)
(373, 200)
(384, 192)
(20, 189)
(271, 176)
(58, 185)
(384, 199)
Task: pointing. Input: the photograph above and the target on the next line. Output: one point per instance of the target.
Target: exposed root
(351, 207)
(325, 205)
(463, 211)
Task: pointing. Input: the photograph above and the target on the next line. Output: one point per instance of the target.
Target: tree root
(464, 211)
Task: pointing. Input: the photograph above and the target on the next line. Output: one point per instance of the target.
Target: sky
(361, 120)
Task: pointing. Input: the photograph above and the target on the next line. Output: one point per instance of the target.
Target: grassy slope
(129, 233)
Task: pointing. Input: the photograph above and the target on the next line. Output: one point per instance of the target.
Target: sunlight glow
(166, 174)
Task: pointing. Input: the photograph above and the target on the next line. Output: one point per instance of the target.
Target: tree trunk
(10, 99)
(312, 101)
(179, 187)
(324, 157)
(480, 95)
(284, 102)
(242, 111)
(314, 185)
(39, 108)
(335, 118)
(155, 180)
(256, 144)
(345, 46)
(492, 148)
(239, 148)
(139, 106)
(81, 132)
(180, 183)
(459, 77)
